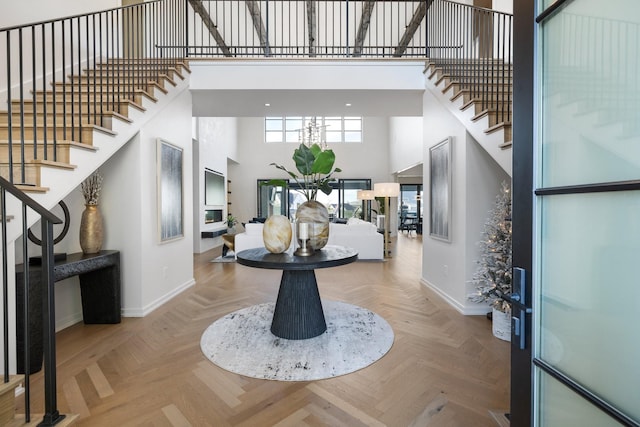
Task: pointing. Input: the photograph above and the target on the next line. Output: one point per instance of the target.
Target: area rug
(228, 258)
(241, 342)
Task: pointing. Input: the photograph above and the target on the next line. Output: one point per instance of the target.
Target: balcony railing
(311, 29)
(475, 51)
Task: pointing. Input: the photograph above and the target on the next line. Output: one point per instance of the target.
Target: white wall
(405, 142)
(29, 11)
(448, 266)
(215, 144)
(151, 272)
(365, 160)
(503, 5)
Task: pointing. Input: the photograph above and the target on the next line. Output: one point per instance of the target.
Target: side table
(298, 312)
(100, 292)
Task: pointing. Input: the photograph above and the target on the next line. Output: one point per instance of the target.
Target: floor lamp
(387, 190)
(366, 196)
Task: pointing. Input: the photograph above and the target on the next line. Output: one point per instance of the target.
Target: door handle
(519, 309)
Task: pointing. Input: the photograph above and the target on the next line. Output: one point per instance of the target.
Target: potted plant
(91, 231)
(493, 277)
(315, 168)
(231, 222)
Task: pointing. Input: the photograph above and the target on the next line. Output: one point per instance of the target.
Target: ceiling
(281, 102)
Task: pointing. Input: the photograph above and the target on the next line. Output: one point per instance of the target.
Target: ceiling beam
(411, 29)
(363, 28)
(211, 26)
(311, 23)
(254, 10)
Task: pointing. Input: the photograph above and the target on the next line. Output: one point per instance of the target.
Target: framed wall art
(170, 191)
(440, 190)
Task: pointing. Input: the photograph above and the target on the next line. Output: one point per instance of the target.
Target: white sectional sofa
(360, 235)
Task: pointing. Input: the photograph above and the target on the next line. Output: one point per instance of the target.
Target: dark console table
(298, 312)
(100, 292)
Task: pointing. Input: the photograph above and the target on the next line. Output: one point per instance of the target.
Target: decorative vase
(501, 324)
(276, 234)
(91, 234)
(317, 216)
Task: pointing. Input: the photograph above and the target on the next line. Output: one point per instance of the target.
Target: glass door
(586, 219)
(272, 200)
(410, 208)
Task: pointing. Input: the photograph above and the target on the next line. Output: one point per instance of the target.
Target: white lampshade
(386, 189)
(366, 195)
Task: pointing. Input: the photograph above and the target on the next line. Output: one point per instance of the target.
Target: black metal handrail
(60, 78)
(63, 76)
(306, 29)
(475, 52)
(52, 416)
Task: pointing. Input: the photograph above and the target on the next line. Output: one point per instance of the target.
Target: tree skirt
(241, 342)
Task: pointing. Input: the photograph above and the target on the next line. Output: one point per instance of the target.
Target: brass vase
(317, 216)
(91, 234)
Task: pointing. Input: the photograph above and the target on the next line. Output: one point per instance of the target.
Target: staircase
(482, 103)
(86, 121)
(77, 89)
(469, 70)
(51, 142)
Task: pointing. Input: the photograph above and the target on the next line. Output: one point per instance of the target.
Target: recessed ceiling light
(347, 105)
(267, 105)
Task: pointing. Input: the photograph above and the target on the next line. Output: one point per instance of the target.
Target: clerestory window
(331, 129)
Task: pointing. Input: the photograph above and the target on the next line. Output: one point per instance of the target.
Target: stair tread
(58, 142)
(48, 163)
(31, 188)
(14, 381)
(506, 145)
(497, 126)
(19, 420)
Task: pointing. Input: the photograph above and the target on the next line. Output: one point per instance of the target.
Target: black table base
(298, 313)
(100, 291)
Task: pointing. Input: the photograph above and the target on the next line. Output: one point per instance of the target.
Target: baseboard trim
(501, 417)
(67, 321)
(142, 312)
(462, 309)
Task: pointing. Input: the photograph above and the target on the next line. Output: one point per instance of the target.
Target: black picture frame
(440, 190)
(170, 191)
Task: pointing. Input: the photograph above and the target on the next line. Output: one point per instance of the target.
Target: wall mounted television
(214, 193)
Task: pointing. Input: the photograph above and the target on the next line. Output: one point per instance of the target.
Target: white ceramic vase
(501, 325)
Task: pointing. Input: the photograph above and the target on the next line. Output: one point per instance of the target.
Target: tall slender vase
(91, 234)
(317, 216)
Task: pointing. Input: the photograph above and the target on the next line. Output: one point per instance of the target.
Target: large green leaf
(304, 159)
(324, 162)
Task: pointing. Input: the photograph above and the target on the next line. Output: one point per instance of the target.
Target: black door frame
(521, 411)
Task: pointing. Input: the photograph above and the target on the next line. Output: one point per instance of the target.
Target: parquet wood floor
(444, 369)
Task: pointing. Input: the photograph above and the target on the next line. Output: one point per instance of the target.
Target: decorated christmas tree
(493, 276)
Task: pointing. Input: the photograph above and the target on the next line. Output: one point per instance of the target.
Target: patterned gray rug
(228, 258)
(241, 342)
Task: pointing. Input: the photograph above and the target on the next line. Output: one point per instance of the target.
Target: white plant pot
(501, 325)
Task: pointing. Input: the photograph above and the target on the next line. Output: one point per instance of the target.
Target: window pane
(293, 136)
(273, 124)
(352, 124)
(273, 136)
(590, 99)
(334, 136)
(560, 406)
(352, 137)
(294, 123)
(333, 125)
(589, 290)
